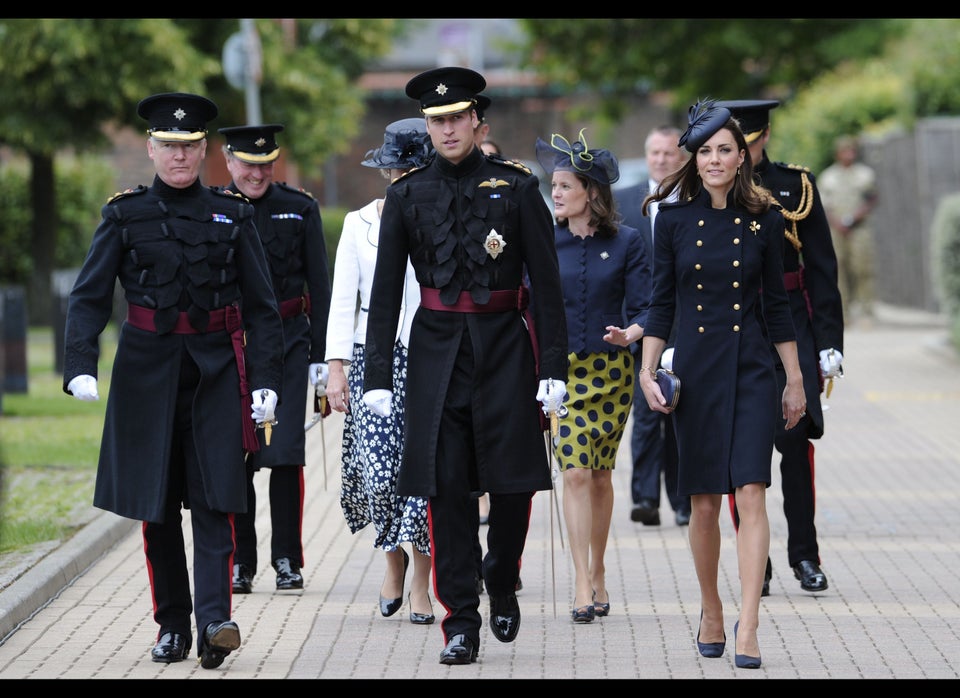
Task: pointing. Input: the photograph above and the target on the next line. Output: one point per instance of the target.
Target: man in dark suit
(653, 444)
(470, 225)
(810, 277)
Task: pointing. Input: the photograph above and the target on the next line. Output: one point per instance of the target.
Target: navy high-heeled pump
(743, 661)
(712, 650)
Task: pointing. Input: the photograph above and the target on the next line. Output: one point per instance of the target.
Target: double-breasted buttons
(736, 263)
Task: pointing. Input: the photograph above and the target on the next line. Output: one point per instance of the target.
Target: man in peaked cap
(470, 225)
(291, 231)
(179, 415)
(818, 317)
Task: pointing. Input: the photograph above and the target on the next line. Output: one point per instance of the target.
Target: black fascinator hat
(405, 145)
(559, 154)
(703, 120)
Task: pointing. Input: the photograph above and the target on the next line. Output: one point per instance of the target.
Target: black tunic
(441, 216)
(291, 231)
(189, 250)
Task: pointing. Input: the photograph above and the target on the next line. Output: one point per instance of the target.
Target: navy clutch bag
(669, 385)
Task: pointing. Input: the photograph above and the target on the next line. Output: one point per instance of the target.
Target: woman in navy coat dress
(719, 255)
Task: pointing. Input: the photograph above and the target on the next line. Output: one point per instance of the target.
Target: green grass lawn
(50, 444)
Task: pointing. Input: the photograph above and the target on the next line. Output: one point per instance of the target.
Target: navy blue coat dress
(724, 267)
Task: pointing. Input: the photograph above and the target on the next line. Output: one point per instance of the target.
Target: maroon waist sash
(222, 319)
(500, 302)
(294, 306)
(792, 280)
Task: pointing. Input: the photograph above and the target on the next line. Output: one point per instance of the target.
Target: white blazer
(353, 277)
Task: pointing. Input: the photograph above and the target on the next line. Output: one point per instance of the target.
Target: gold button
(701, 330)
(736, 241)
(736, 284)
(736, 328)
(737, 220)
(699, 287)
(696, 266)
(736, 263)
(700, 223)
(736, 306)
(699, 307)
(699, 243)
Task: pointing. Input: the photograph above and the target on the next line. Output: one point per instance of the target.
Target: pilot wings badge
(494, 243)
(493, 183)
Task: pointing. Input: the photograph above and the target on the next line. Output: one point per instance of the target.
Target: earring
(738, 171)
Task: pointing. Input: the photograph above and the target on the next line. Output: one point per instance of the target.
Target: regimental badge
(260, 142)
(179, 114)
(441, 89)
(604, 255)
(494, 243)
(754, 226)
(493, 183)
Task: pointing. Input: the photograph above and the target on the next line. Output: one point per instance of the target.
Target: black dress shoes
(459, 650)
(504, 616)
(810, 575)
(682, 518)
(171, 647)
(288, 574)
(219, 640)
(646, 512)
(767, 576)
(242, 579)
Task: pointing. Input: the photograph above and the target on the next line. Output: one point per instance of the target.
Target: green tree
(695, 58)
(64, 80)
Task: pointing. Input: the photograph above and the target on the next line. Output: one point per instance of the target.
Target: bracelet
(647, 369)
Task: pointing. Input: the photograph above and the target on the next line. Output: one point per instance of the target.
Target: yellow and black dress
(606, 281)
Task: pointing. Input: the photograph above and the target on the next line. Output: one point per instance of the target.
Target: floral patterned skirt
(372, 451)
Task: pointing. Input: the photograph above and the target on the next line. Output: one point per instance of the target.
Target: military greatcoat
(444, 216)
(174, 251)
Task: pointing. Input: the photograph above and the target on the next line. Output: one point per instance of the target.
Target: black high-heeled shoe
(390, 606)
(419, 618)
(743, 661)
(711, 650)
(584, 614)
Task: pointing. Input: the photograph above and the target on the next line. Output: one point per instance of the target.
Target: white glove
(318, 374)
(379, 401)
(666, 358)
(831, 363)
(84, 388)
(264, 406)
(551, 394)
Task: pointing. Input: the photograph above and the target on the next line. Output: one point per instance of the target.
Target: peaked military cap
(405, 145)
(483, 103)
(446, 90)
(177, 116)
(256, 145)
(559, 154)
(753, 114)
(704, 119)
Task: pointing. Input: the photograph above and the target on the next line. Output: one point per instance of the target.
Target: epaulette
(139, 189)
(223, 191)
(676, 204)
(295, 190)
(407, 173)
(512, 163)
(791, 166)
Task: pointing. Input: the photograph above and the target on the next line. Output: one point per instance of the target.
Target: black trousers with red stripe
(163, 543)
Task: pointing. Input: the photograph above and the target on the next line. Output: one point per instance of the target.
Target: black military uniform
(178, 415)
(470, 229)
(290, 227)
(810, 276)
